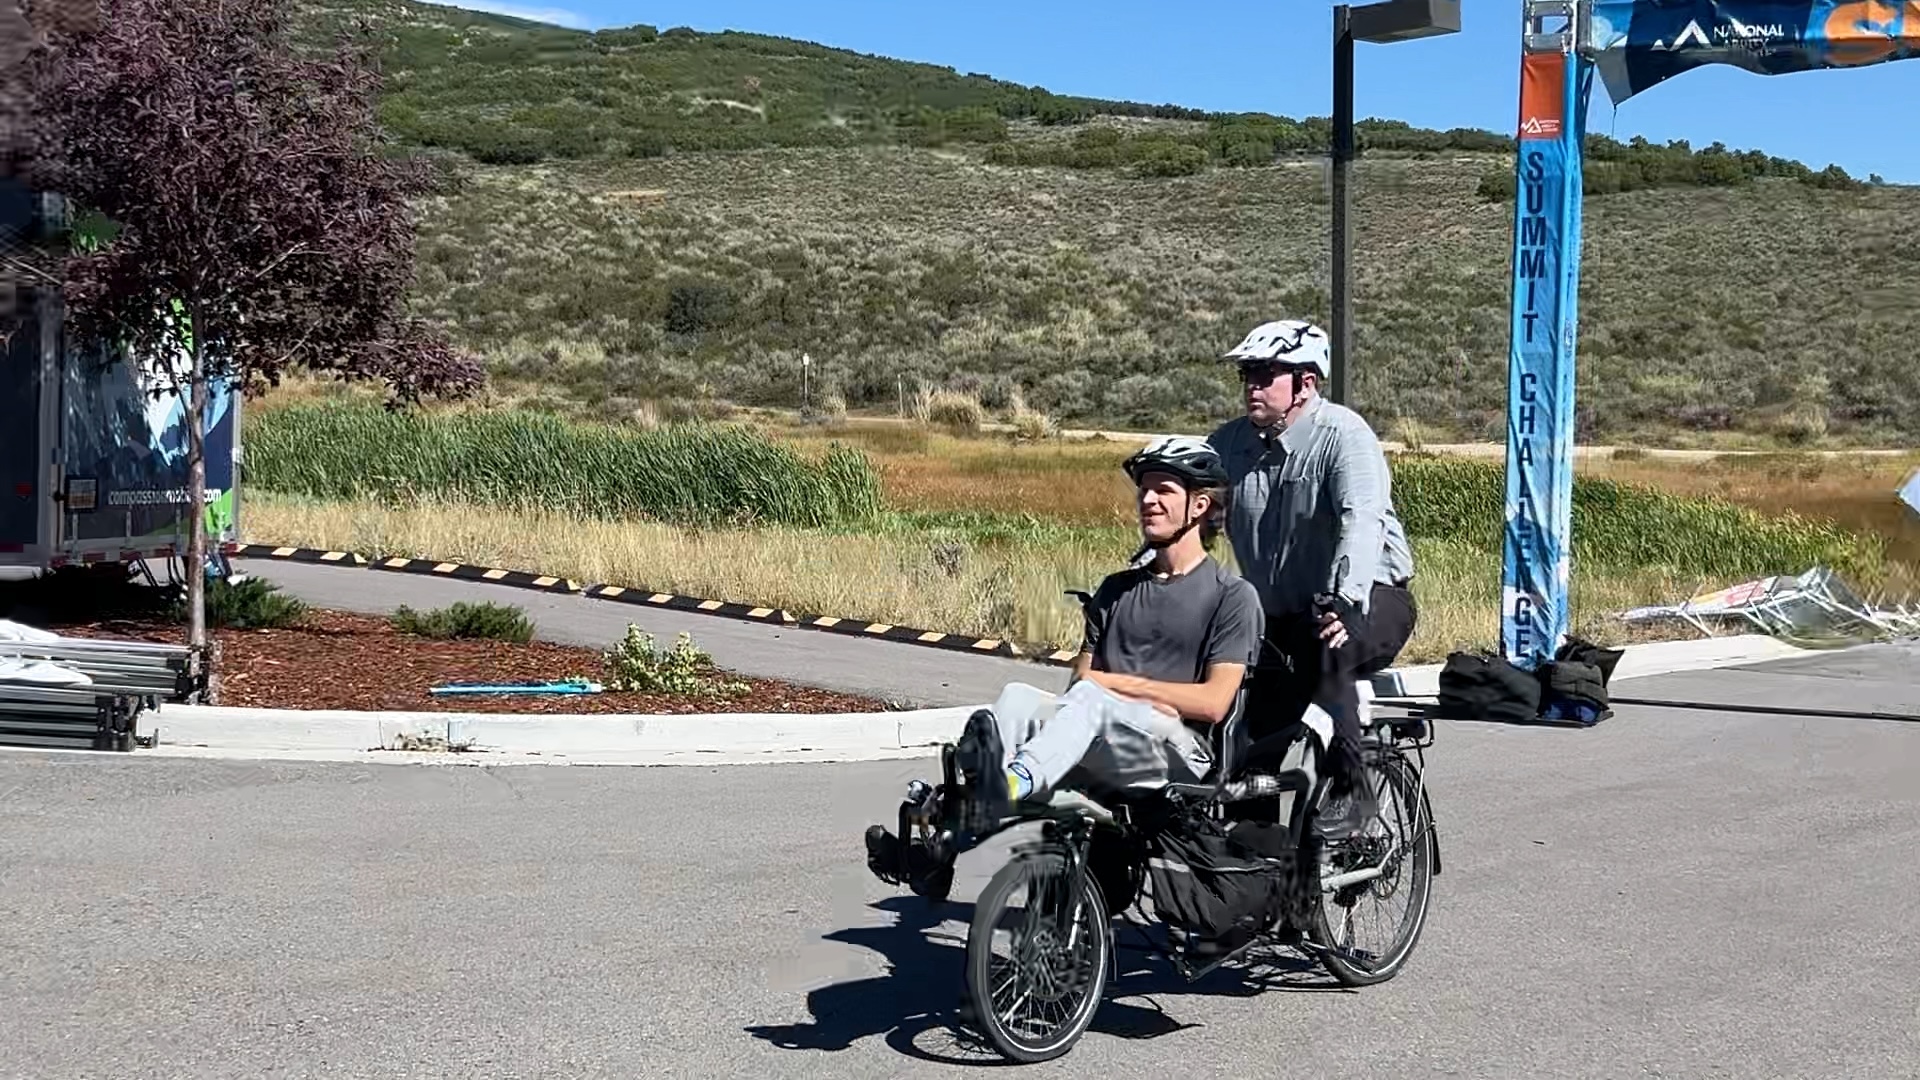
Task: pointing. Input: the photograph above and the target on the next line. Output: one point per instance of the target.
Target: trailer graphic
(94, 447)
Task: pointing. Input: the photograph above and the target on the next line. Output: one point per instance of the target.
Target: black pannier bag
(1220, 883)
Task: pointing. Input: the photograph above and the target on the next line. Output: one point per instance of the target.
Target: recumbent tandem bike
(1099, 854)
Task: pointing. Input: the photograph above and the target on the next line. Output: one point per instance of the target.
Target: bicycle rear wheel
(1400, 841)
(1034, 1003)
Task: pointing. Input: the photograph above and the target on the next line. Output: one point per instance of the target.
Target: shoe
(925, 873)
(883, 854)
(982, 760)
(1347, 814)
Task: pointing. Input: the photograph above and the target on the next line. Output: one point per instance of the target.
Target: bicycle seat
(1068, 799)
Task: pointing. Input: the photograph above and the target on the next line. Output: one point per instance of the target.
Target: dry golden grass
(1078, 482)
(1081, 482)
(950, 579)
(950, 586)
(1857, 492)
(997, 591)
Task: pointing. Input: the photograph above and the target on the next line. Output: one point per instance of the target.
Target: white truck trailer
(93, 450)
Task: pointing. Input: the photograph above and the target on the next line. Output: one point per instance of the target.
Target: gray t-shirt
(1169, 631)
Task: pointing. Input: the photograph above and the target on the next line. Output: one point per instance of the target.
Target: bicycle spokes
(1366, 917)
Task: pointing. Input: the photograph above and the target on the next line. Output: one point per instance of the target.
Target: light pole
(1381, 23)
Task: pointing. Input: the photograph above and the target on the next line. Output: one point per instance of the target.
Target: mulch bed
(335, 660)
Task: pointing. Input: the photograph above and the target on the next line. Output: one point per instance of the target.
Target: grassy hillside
(1778, 309)
(673, 217)
(507, 90)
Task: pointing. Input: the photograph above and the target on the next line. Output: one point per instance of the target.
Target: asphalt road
(915, 676)
(1671, 893)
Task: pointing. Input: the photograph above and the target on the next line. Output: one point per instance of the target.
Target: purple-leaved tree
(250, 186)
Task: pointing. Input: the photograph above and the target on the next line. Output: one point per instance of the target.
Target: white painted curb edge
(218, 727)
(198, 730)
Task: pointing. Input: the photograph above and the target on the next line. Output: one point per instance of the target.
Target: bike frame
(1069, 829)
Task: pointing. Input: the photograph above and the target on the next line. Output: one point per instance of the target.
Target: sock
(1019, 781)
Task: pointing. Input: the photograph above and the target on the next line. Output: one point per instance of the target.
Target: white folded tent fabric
(13, 631)
(41, 672)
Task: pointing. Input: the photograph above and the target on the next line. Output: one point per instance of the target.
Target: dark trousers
(1296, 668)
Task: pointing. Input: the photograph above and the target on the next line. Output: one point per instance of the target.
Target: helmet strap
(1150, 549)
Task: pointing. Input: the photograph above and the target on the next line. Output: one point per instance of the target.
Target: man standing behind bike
(1311, 521)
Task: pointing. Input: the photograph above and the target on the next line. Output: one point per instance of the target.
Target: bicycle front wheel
(1367, 929)
(1035, 1000)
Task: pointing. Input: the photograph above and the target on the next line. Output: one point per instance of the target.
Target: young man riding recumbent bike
(1134, 776)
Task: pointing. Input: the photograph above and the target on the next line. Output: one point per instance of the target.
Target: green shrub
(465, 621)
(635, 664)
(693, 307)
(254, 604)
(694, 473)
(1173, 159)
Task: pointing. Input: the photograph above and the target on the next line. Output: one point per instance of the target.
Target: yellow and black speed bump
(848, 627)
(523, 579)
(293, 554)
(648, 598)
(889, 632)
(676, 602)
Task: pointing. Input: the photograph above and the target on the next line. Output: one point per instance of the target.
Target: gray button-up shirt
(1306, 497)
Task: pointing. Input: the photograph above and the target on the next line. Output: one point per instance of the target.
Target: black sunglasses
(1264, 374)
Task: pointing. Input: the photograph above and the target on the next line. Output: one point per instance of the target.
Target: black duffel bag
(1573, 688)
(1477, 686)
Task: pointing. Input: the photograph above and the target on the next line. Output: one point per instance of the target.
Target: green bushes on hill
(506, 91)
(1639, 165)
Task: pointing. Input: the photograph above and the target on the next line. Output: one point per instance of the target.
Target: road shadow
(916, 1005)
(917, 997)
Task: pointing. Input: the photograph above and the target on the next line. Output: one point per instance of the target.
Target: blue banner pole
(1554, 87)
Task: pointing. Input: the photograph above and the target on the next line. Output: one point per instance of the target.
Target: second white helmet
(1294, 342)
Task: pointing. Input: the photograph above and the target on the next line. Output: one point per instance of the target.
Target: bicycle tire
(987, 912)
(1403, 776)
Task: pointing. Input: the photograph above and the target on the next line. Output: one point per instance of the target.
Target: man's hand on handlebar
(1341, 620)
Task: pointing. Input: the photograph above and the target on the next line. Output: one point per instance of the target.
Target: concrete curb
(704, 739)
(597, 737)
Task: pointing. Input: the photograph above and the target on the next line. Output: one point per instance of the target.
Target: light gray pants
(1113, 742)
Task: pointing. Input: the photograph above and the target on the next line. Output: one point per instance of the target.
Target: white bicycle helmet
(1288, 342)
(1194, 461)
(1198, 466)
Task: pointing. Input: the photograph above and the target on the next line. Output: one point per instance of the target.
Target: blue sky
(1273, 56)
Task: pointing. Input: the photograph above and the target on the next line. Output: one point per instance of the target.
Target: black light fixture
(1383, 24)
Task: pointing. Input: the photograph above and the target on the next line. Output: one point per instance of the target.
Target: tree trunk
(196, 570)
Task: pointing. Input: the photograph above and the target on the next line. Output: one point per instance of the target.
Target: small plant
(637, 665)
(489, 621)
(1410, 434)
(1497, 186)
(830, 409)
(954, 410)
(254, 604)
(1029, 423)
